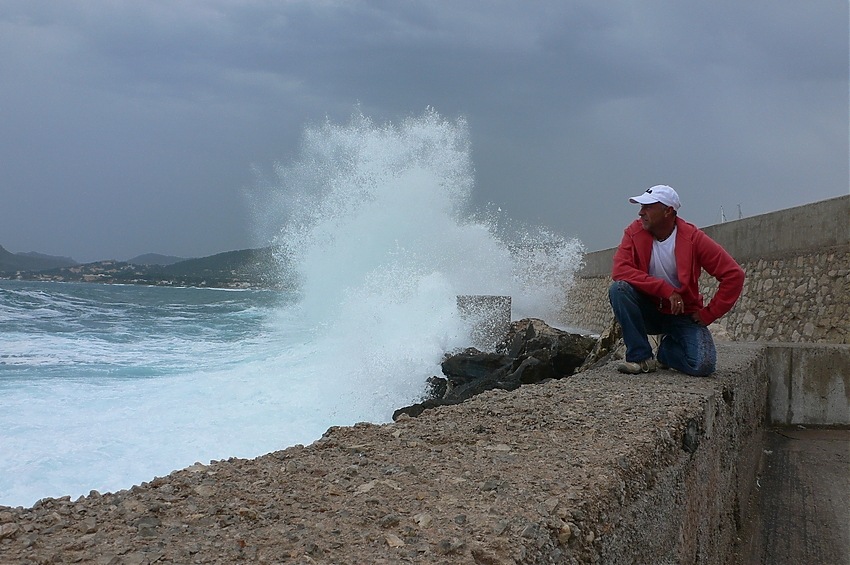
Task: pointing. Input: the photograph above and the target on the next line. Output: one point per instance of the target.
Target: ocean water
(103, 387)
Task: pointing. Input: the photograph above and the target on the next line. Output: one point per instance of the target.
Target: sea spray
(379, 236)
(105, 386)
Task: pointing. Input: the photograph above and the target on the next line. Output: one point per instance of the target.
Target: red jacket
(695, 251)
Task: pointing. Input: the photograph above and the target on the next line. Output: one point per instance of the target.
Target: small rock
(8, 530)
(136, 558)
(367, 486)
(88, 526)
(147, 526)
(389, 521)
(423, 520)
(394, 541)
(204, 490)
(248, 513)
(313, 549)
(151, 521)
(490, 484)
(550, 504)
(147, 532)
(498, 447)
(484, 557)
(449, 546)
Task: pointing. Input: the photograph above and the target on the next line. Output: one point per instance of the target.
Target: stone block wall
(802, 298)
(797, 288)
(586, 305)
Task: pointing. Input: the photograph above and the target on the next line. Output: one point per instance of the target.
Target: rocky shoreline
(506, 477)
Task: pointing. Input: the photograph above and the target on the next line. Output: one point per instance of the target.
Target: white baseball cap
(658, 193)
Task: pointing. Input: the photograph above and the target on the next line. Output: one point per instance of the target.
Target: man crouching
(656, 288)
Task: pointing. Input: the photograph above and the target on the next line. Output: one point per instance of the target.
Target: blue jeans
(687, 346)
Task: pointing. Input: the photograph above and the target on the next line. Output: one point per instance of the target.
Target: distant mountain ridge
(247, 268)
(45, 256)
(31, 261)
(155, 259)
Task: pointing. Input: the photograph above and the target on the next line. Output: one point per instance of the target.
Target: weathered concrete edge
(705, 498)
(700, 500)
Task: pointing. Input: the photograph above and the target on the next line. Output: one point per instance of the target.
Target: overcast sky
(129, 127)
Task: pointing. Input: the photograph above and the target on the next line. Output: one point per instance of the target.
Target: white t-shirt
(662, 263)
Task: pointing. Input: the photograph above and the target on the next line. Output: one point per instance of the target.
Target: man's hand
(677, 305)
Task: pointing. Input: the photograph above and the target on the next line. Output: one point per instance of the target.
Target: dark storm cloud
(132, 127)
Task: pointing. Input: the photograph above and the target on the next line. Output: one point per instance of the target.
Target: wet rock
(471, 365)
(532, 337)
(531, 352)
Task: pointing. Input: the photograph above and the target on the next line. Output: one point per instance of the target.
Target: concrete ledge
(809, 384)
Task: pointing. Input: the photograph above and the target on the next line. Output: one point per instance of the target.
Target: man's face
(652, 216)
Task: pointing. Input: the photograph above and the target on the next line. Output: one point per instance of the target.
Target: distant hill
(245, 260)
(11, 263)
(248, 268)
(256, 265)
(155, 259)
(49, 257)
